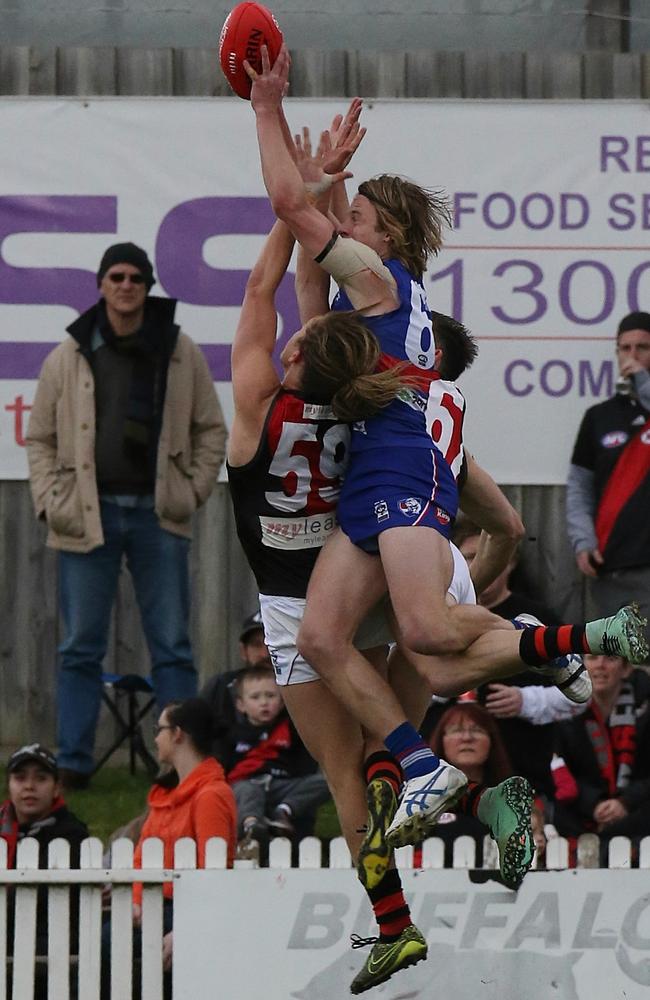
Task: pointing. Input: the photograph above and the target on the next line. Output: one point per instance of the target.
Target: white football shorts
(282, 617)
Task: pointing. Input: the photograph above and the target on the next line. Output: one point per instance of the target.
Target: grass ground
(115, 797)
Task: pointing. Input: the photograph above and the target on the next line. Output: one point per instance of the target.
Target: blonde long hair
(414, 217)
(340, 355)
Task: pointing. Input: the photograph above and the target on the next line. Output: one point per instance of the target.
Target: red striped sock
(383, 765)
(542, 643)
(390, 908)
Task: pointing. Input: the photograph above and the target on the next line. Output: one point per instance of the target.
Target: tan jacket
(61, 445)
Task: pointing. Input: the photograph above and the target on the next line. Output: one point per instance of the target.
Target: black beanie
(635, 321)
(127, 253)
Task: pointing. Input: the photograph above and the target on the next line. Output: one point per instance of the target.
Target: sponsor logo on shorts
(297, 533)
(411, 507)
(442, 516)
(614, 439)
(313, 411)
(381, 510)
(645, 437)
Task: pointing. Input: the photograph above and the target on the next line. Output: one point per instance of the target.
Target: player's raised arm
(354, 265)
(318, 171)
(254, 377)
(281, 176)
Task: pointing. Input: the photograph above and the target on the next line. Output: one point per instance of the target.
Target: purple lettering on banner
(183, 273)
(592, 383)
(546, 373)
(645, 211)
(22, 359)
(509, 374)
(557, 378)
(460, 208)
(547, 205)
(64, 286)
(633, 297)
(614, 147)
(609, 292)
(529, 288)
(618, 204)
(566, 201)
(511, 210)
(643, 154)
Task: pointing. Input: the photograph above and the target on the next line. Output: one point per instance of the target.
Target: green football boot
(621, 634)
(506, 810)
(388, 957)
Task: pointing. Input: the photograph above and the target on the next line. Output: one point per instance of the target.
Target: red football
(247, 27)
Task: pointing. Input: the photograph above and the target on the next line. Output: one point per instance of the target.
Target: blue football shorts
(395, 488)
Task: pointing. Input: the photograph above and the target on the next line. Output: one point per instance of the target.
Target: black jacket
(62, 823)
(574, 817)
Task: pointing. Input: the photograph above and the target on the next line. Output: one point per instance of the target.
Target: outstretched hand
(271, 85)
(312, 166)
(344, 138)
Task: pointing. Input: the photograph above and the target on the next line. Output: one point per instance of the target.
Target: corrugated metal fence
(418, 73)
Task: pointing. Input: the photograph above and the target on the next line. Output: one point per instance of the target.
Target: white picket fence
(93, 876)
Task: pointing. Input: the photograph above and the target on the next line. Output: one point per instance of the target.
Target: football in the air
(247, 28)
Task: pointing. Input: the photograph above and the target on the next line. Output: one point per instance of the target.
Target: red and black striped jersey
(285, 498)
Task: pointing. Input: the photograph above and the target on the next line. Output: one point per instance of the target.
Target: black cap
(251, 624)
(127, 253)
(634, 321)
(33, 753)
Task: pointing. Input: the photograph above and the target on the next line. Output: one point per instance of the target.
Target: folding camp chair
(121, 695)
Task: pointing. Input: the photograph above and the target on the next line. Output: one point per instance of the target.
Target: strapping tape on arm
(344, 257)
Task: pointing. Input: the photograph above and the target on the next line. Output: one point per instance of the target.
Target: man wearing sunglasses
(125, 441)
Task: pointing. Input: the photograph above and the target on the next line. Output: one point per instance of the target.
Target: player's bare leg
(345, 584)
(418, 567)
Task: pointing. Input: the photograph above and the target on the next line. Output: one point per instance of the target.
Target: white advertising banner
(551, 203)
(286, 934)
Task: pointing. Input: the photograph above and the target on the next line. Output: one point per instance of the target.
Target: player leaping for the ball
(394, 226)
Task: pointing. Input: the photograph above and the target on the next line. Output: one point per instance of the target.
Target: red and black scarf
(614, 740)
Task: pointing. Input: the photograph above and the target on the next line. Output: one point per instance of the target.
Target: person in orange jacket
(200, 805)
